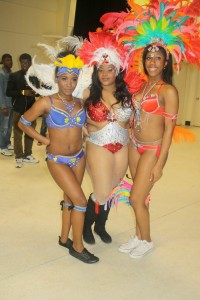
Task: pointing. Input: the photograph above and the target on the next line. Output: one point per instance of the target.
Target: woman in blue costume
(65, 156)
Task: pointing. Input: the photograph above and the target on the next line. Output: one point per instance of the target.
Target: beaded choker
(69, 107)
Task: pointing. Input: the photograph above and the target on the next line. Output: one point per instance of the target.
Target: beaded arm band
(170, 116)
(25, 122)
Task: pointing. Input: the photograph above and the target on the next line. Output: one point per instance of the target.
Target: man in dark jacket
(6, 110)
(23, 97)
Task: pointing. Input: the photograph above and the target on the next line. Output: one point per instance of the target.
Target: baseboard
(187, 123)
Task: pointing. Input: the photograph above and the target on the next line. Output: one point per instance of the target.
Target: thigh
(100, 166)
(141, 184)
(133, 159)
(79, 170)
(68, 181)
(120, 165)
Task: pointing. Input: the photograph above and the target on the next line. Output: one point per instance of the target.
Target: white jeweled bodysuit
(112, 136)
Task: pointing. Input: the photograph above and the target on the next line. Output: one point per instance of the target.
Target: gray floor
(33, 266)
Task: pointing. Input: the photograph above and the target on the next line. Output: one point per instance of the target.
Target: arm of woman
(171, 107)
(39, 108)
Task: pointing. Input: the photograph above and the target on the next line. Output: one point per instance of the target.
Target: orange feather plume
(182, 134)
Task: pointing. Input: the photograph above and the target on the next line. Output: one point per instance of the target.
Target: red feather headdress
(102, 47)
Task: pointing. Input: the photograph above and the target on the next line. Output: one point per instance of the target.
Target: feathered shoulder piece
(41, 78)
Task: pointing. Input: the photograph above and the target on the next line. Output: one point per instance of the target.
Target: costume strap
(170, 116)
(160, 88)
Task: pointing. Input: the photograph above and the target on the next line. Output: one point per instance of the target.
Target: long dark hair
(121, 94)
(168, 69)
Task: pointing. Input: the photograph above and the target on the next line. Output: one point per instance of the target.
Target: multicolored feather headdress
(101, 48)
(162, 23)
(170, 24)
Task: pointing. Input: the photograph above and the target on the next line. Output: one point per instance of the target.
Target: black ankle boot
(100, 223)
(90, 217)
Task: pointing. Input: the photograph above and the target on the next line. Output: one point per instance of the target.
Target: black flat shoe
(68, 243)
(105, 237)
(85, 256)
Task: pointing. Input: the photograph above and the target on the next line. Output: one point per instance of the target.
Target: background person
(6, 110)
(23, 97)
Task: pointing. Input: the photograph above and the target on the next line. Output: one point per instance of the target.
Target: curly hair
(121, 94)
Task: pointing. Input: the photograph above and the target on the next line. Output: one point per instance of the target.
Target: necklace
(68, 107)
(151, 87)
(138, 104)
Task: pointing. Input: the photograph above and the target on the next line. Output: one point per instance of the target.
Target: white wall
(24, 23)
(188, 84)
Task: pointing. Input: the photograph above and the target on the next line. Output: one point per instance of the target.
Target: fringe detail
(121, 193)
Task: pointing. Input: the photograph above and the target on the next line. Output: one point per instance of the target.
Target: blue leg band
(80, 208)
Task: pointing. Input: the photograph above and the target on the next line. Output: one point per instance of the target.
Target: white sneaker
(10, 147)
(6, 152)
(132, 244)
(30, 159)
(142, 249)
(19, 163)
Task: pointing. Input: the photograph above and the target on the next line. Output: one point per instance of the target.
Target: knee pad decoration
(121, 193)
(71, 206)
(67, 205)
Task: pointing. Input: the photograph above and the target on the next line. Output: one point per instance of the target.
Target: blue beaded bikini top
(59, 118)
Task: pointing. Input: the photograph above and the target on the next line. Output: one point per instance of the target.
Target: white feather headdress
(41, 78)
(68, 43)
(71, 42)
(84, 81)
